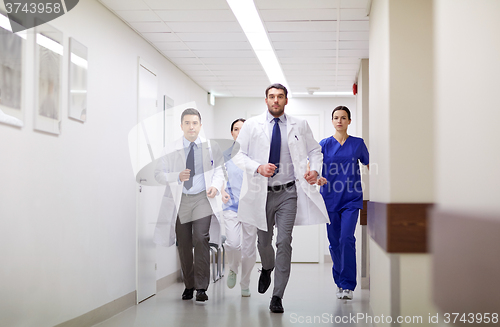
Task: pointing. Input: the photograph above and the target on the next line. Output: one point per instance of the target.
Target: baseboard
(102, 313)
(168, 280)
(121, 304)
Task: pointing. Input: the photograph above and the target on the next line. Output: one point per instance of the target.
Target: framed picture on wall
(48, 78)
(12, 69)
(78, 66)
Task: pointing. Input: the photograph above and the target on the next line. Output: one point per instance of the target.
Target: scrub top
(235, 179)
(341, 169)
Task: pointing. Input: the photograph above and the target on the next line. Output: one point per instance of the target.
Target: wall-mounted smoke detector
(311, 90)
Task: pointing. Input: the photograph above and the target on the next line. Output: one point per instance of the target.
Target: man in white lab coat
(278, 188)
(192, 169)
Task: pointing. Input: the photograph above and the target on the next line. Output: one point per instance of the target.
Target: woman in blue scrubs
(342, 191)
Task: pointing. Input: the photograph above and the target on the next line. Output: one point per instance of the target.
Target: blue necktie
(190, 165)
(274, 153)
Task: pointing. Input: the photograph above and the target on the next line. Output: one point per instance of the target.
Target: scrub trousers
(241, 246)
(343, 246)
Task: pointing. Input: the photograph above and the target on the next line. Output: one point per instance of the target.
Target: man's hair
(277, 86)
(237, 120)
(190, 111)
(342, 108)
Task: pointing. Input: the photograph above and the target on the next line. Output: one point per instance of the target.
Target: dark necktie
(274, 153)
(190, 165)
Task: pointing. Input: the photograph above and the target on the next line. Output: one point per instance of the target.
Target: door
(148, 197)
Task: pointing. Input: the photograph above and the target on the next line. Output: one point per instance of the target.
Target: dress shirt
(199, 177)
(285, 173)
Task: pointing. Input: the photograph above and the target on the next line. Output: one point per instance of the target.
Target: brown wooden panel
(363, 215)
(399, 227)
(466, 265)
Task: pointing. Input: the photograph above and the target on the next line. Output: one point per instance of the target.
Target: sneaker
(188, 294)
(339, 292)
(264, 280)
(231, 279)
(201, 296)
(245, 293)
(347, 295)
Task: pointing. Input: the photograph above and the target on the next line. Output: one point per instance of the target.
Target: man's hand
(184, 175)
(311, 177)
(266, 170)
(212, 192)
(321, 181)
(225, 196)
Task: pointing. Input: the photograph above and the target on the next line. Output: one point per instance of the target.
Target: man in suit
(192, 170)
(276, 148)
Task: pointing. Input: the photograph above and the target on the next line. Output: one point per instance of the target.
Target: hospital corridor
(365, 132)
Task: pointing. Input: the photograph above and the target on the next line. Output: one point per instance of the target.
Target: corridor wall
(68, 202)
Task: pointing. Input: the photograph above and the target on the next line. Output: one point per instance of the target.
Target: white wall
(68, 202)
(467, 116)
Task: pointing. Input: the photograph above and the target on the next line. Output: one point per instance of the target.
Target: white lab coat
(255, 143)
(172, 162)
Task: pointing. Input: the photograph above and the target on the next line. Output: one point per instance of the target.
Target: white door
(148, 197)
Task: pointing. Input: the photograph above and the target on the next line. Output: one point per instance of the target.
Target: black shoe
(201, 296)
(276, 305)
(188, 293)
(264, 280)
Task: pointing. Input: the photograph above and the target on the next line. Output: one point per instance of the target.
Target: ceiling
(319, 43)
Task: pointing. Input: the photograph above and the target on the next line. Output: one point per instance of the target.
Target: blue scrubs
(343, 197)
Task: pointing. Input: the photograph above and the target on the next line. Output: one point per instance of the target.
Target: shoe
(276, 305)
(188, 293)
(264, 280)
(231, 279)
(245, 293)
(347, 295)
(339, 293)
(201, 296)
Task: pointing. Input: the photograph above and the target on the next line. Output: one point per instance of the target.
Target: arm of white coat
(218, 176)
(313, 150)
(163, 173)
(243, 155)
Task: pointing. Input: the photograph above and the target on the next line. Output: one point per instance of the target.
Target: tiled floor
(309, 300)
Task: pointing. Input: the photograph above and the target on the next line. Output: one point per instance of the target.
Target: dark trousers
(195, 264)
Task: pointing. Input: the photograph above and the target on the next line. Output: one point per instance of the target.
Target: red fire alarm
(355, 89)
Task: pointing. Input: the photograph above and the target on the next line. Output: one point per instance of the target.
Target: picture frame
(77, 80)
(12, 73)
(49, 55)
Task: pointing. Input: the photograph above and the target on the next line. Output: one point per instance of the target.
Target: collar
(186, 142)
(270, 117)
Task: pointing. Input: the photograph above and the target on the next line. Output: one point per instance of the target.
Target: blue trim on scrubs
(343, 197)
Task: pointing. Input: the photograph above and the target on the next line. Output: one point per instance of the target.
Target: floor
(309, 300)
